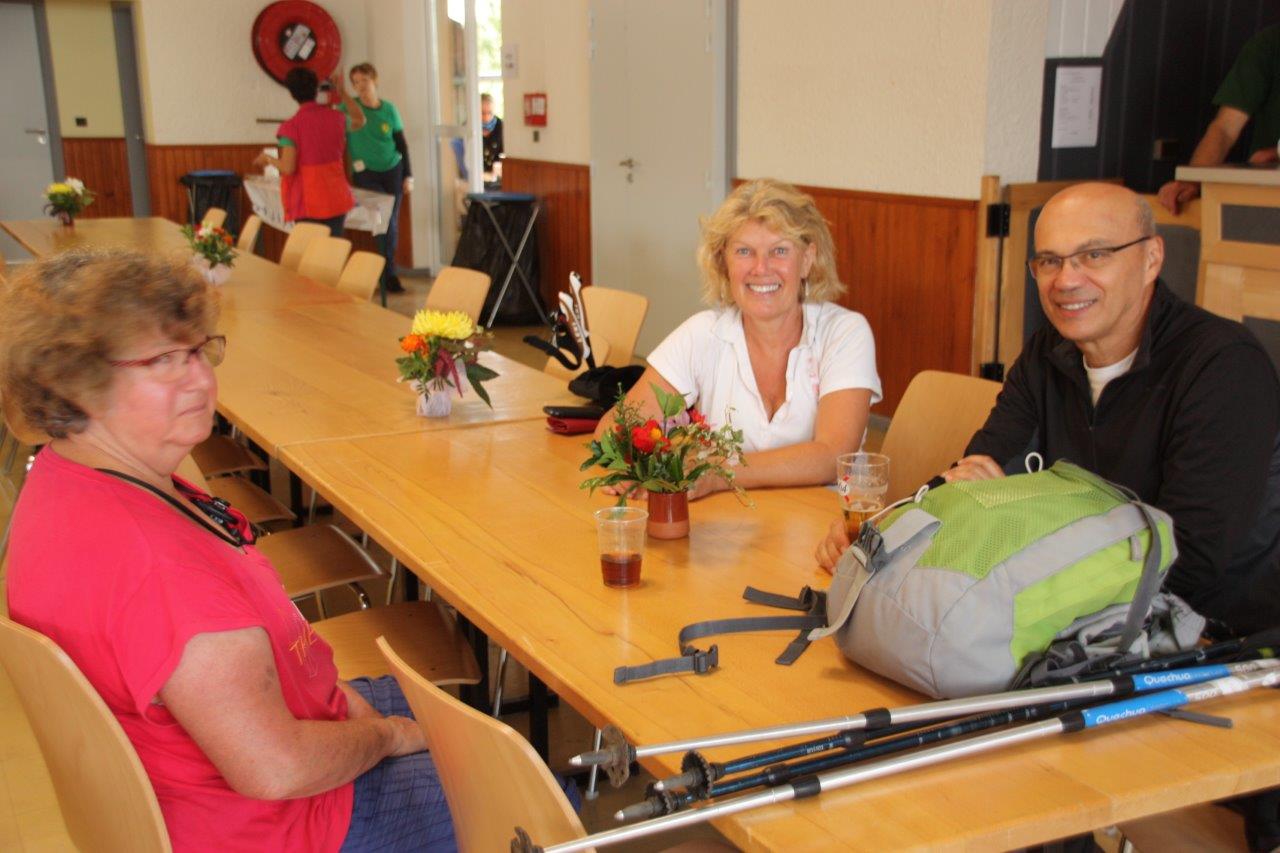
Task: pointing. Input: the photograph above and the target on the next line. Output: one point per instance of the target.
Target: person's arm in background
(355, 115)
(397, 137)
(1212, 150)
(287, 162)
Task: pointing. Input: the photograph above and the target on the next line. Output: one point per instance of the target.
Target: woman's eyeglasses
(1047, 266)
(172, 365)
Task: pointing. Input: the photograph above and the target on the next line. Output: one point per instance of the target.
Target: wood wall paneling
(909, 265)
(167, 163)
(103, 165)
(564, 225)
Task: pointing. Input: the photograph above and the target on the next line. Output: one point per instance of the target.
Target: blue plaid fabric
(399, 804)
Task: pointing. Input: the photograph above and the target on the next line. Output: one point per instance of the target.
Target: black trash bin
(208, 188)
(481, 248)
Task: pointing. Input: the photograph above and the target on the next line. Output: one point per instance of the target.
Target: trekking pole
(700, 775)
(616, 755)
(812, 785)
(1261, 644)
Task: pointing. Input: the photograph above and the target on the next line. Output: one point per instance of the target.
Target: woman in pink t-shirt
(157, 593)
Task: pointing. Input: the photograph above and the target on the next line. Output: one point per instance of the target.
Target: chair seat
(257, 504)
(310, 559)
(218, 456)
(427, 638)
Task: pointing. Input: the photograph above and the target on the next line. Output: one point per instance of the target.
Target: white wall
(552, 39)
(1080, 27)
(1015, 88)
(83, 53)
(200, 81)
(867, 95)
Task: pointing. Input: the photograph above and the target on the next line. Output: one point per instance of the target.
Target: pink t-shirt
(121, 581)
(318, 189)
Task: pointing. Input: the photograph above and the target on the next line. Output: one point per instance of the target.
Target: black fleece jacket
(1192, 428)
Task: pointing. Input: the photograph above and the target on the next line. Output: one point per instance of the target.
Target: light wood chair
(4, 269)
(429, 637)
(220, 456)
(938, 415)
(600, 348)
(257, 504)
(361, 274)
(214, 217)
(324, 258)
(459, 289)
(1190, 830)
(618, 316)
(296, 244)
(248, 239)
(492, 778)
(106, 799)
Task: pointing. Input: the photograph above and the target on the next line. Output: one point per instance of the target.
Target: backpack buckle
(703, 661)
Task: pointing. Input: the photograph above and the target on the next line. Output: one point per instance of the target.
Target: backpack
(962, 588)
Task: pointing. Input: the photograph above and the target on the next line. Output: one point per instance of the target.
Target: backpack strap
(699, 661)
(1148, 583)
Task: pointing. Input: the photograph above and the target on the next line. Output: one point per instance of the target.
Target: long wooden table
(306, 362)
(493, 520)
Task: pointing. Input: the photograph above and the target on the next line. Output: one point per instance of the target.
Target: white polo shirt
(706, 360)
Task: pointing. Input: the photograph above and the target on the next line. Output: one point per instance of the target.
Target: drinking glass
(621, 531)
(862, 479)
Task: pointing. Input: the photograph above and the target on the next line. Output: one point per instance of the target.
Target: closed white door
(658, 148)
(25, 164)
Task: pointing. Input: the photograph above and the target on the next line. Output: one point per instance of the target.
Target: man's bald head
(1100, 199)
(1098, 259)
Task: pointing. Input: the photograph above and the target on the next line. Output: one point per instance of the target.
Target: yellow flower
(455, 325)
(57, 188)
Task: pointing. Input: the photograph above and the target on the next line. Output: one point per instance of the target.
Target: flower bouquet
(66, 199)
(213, 250)
(665, 457)
(441, 348)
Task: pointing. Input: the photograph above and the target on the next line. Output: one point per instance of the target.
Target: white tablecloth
(372, 212)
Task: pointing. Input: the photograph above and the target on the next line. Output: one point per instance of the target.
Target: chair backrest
(492, 778)
(248, 239)
(600, 348)
(938, 415)
(459, 289)
(190, 471)
(360, 275)
(618, 315)
(296, 244)
(324, 259)
(106, 799)
(214, 217)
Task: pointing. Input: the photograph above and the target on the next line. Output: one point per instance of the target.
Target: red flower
(648, 437)
(697, 417)
(412, 343)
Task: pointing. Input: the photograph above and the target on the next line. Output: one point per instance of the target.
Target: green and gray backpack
(971, 587)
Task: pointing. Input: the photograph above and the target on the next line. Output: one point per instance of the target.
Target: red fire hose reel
(296, 34)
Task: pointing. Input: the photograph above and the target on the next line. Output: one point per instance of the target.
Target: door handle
(42, 136)
(36, 130)
(628, 163)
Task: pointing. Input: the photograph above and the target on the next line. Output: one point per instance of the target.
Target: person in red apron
(313, 177)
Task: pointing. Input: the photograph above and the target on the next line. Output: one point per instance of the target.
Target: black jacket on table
(1192, 428)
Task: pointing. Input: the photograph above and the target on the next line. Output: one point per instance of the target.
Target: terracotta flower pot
(668, 515)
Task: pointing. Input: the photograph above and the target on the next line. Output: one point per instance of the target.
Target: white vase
(214, 274)
(435, 399)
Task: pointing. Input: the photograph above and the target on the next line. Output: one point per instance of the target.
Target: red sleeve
(166, 610)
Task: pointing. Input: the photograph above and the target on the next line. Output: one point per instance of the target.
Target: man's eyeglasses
(1048, 266)
(172, 365)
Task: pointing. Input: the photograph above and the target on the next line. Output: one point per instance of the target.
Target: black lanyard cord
(215, 509)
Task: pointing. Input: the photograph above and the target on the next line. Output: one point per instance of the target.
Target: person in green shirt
(380, 161)
(1251, 90)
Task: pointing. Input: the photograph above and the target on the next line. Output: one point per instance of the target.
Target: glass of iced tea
(862, 479)
(621, 531)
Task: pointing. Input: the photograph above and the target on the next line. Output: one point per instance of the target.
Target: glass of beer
(621, 531)
(862, 479)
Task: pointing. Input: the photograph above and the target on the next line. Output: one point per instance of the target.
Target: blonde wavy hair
(781, 208)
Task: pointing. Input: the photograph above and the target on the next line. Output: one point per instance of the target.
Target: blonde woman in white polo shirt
(793, 370)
